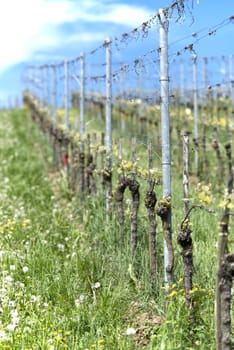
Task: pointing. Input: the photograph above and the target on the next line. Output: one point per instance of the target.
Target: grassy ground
(68, 280)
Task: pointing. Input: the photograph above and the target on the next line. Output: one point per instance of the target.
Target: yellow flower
(222, 122)
(59, 338)
(172, 294)
(167, 288)
(192, 291)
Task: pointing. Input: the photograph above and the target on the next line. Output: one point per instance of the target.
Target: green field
(68, 279)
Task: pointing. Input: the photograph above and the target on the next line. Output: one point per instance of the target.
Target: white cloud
(27, 26)
(86, 37)
(121, 14)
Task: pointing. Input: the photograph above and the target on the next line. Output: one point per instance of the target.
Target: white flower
(14, 317)
(130, 331)
(3, 290)
(27, 329)
(12, 267)
(25, 269)
(33, 298)
(11, 303)
(61, 247)
(79, 300)
(8, 279)
(97, 285)
(3, 336)
(11, 327)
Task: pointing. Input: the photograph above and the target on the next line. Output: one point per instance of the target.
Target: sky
(41, 31)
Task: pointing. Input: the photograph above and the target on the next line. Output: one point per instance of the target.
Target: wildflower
(130, 331)
(25, 269)
(12, 268)
(96, 285)
(172, 294)
(59, 338)
(51, 347)
(11, 303)
(11, 327)
(167, 288)
(79, 300)
(3, 335)
(33, 298)
(27, 329)
(61, 247)
(8, 279)
(192, 291)
(14, 317)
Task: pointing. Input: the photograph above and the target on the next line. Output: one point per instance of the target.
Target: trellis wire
(137, 67)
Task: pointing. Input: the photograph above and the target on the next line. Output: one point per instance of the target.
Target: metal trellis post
(66, 124)
(205, 79)
(54, 93)
(108, 121)
(165, 126)
(47, 86)
(82, 98)
(195, 112)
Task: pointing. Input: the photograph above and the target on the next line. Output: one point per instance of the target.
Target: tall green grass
(68, 280)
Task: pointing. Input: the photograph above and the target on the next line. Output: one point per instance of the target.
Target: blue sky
(41, 31)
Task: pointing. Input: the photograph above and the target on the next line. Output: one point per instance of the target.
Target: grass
(69, 282)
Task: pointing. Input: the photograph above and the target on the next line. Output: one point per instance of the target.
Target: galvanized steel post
(47, 86)
(82, 97)
(54, 105)
(165, 124)
(205, 79)
(66, 123)
(195, 112)
(108, 120)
